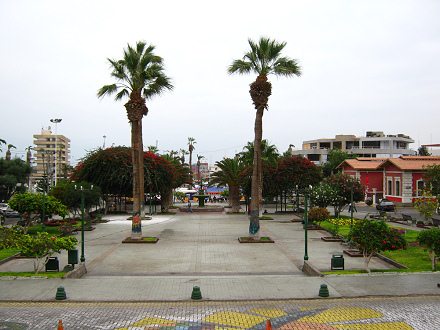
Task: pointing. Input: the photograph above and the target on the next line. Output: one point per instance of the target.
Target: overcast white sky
(367, 65)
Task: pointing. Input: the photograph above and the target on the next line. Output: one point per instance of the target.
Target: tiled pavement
(326, 314)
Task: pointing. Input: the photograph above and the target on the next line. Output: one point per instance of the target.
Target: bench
(409, 219)
(436, 220)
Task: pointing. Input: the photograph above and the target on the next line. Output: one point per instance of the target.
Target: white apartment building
(373, 144)
(50, 150)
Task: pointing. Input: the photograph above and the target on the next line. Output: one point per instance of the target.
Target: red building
(403, 177)
(367, 171)
(397, 179)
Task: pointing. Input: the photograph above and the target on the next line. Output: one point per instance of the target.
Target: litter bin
(72, 257)
(337, 262)
(53, 264)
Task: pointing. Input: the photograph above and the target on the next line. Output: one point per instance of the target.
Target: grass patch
(416, 258)
(41, 228)
(30, 274)
(6, 253)
(265, 217)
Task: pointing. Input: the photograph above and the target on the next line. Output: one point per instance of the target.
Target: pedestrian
(189, 206)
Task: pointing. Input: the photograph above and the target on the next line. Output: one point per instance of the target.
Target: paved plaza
(145, 286)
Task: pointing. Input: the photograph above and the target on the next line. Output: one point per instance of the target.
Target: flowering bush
(341, 221)
(318, 214)
(426, 205)
(394, 240)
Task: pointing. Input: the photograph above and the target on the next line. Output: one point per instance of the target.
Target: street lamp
(56, 121)
(82, 258)
(306, 222)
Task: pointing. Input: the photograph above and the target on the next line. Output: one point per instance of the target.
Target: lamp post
(306, 222)
(351, 206)
(82, 258)
(56, 121)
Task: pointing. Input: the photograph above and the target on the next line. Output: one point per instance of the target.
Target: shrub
(394, 240)
(431, 240)
(370, 237)
(318, 214)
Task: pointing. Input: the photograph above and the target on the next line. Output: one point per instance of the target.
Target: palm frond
(161, 84)
(265, 58)
(123, 92)
(107, 90)
(240, 66)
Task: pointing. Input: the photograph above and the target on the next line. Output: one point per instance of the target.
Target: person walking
(189, 206)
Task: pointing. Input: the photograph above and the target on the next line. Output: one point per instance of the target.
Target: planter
(248, 239)
(353, 253)
(314, 227)
(143, 240)
(332, 239)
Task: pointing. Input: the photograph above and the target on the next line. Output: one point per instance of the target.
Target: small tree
(323, 195)
(426, 204)
(431, 240)
(42, 246)
(28, 204)
(370, 237)
(344, 184)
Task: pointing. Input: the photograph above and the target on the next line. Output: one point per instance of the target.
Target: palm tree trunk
(234, 197)
(190, 167)
(254, 225)
(141, 172)
(136, 230)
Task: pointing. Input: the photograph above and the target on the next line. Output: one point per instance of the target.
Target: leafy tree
(263, 58)
(343, 185)
(29, 204)
(431, 240)
(423, 151)
(295, 171)
(230, 174)
(42, 246)
(323, 195)
(334, 158)
(432, 177)
(370, 237)
(139, 76)
(426, 204)
(12, 172)
(9, 237)
(69, 193)
(111, 170)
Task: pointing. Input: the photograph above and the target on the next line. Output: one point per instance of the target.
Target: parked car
(3, 207)
(10, 213)
(385, 205)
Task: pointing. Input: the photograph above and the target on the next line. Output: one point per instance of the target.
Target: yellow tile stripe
(268, 312)
(235, 319)
(375, 326)
(339, 314)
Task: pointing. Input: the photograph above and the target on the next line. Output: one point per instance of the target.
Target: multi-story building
(51, 151)
(373, 144)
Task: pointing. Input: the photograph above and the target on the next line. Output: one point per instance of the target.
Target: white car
(3, 207)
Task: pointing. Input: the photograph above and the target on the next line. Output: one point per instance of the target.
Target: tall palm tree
(8, 152)
(2, 142)
(264, 58)
(139, 76)
(230, 174)
(191, 142)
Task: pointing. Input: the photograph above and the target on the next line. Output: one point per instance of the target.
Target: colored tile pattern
(325, 314)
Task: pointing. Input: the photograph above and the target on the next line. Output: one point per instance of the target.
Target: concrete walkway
(202, 249)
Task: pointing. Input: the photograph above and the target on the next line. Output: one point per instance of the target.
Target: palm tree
(2, 142)
(191, 142)
(8, 152)
(264, 58)
(139, 76)
(230, 174)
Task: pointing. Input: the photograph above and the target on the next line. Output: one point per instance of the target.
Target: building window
(420, 187)
(389, 186)
(397, 187)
